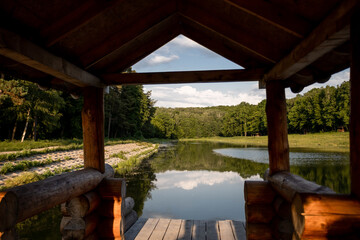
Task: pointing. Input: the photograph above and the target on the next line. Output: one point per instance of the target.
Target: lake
(193, 180)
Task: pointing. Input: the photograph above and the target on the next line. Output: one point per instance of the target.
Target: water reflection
(195, 181)
(205, 180)
(189, 180)
(203, 195)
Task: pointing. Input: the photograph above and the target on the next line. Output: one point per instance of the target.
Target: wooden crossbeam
(239, 75)
(331, 32)
(23, 51)
(276, 16)
(75, 19)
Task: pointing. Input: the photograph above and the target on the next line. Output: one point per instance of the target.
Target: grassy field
(29, 144)
(322, 141)
(336, 141)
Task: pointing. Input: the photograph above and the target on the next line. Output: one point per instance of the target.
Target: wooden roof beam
(239, 75)
(139, 47)
(330, 33)
(276, 16)
(126, 34)
(23, 51)
(225, 47)
(229, 31)
(75, 19)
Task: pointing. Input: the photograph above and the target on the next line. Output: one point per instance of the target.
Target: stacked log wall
(306, 210)
(259, 211)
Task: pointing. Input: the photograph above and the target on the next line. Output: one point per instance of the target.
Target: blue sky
(183, 54)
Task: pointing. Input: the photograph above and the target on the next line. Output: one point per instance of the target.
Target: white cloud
(189, 96)
(188, 180)
(155, 59)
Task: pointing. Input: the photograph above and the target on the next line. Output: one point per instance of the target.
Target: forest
(27, 112)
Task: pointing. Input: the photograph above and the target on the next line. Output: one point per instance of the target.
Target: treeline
(319, 110)
(26, 112)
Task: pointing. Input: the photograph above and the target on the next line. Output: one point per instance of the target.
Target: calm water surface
(205, 181)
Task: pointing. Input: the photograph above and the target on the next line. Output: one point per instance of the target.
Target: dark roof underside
(84, 42)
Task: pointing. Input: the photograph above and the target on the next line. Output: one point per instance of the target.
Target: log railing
(93, 204)
(287, 206)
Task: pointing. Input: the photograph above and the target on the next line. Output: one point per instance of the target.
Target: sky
(183, 54)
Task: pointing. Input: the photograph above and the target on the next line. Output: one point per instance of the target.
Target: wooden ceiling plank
(139, 47)
(125, 35)
(243, 45)
(75, 18)
(252, 43)
(279, 17)
(227, 48)
(332, 32)
(238, 75)
(23, 51)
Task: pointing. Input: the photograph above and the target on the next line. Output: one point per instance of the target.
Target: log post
(355, 103)
(259, 210)
(93, 128)
(111, 224)
(258, 192)
(258, 231)
(277, 127)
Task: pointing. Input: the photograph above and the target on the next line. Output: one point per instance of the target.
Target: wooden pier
(172, 229)
(83, 47)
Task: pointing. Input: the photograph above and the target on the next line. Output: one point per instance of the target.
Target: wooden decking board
(148, 228)
(177, 229)
(185, 230)
(212, 230)
(226, 231)
(173, 230)
(135, 229)
(160, 229)
(198, 230)
(239, 230)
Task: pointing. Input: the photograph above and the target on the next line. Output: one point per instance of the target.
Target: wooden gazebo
(82, 46)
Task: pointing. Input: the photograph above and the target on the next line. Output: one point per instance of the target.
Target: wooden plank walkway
(173, 229)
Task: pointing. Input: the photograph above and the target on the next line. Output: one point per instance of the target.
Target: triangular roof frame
(73, 44)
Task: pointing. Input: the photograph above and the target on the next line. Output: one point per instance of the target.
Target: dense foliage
(128, 112)
(319, 110)
(28, 112)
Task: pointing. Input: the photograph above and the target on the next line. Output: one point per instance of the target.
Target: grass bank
(29, 148)
(334, 141)
(123, 167)
(133, 162)
(30, 144)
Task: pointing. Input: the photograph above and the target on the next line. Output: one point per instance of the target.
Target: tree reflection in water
(191, 156)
